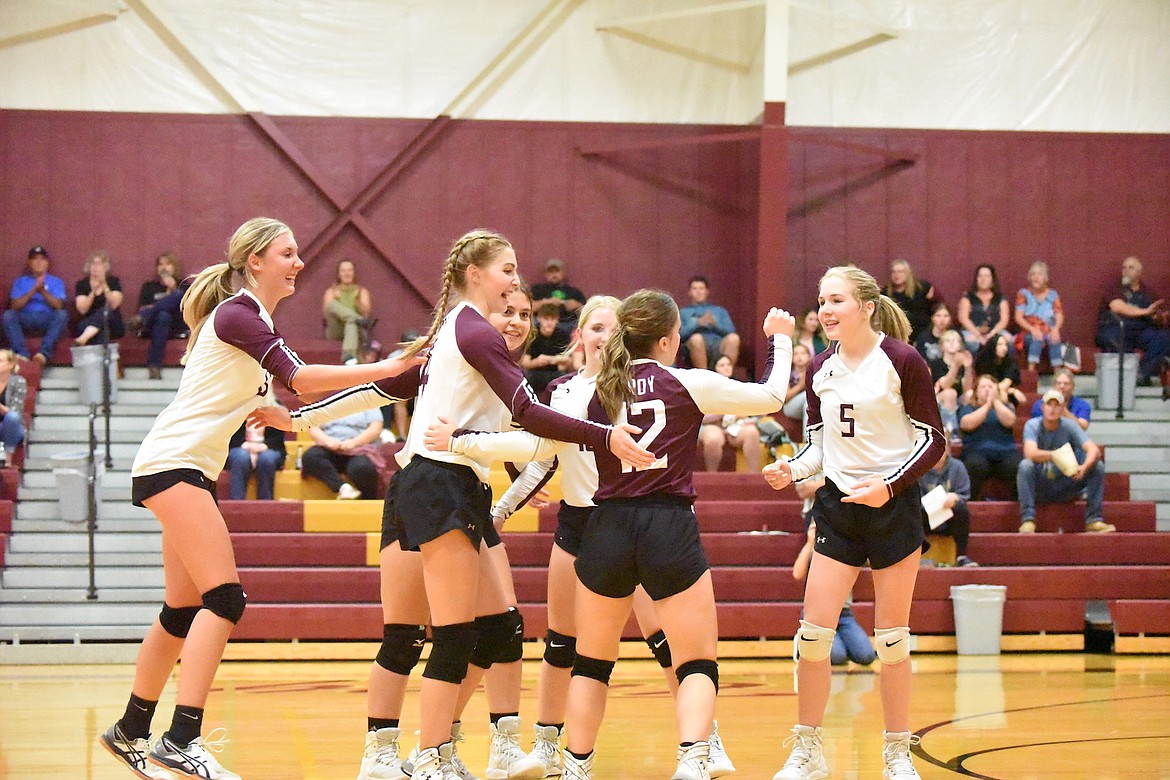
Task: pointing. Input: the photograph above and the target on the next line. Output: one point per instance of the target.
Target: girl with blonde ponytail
(874, 429)
(440, 502)
(233, 355)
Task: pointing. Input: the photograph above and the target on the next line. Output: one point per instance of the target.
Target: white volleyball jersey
(468, 374)
(235, 356)
(880, 420)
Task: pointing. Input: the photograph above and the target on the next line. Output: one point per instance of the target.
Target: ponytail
(889, 318)
(211, 287)
(613, 380)
(642, 319)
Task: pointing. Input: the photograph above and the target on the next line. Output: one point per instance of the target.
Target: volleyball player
(233, 354)
(571, 394)
(643, 530)
(874, 428)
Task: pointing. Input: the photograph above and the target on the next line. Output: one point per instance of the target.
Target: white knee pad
(813, 642)
(893, 644)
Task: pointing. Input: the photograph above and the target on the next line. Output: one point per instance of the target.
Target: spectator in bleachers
(1144, 316)
(983, 310)
(346, 446)
(795, 399)
(914, 296)
(159, 317)
(546, 357)
(98, 300)
(567, 298)
(1076, 408)
(953, 377)
(988, 447)
(940, 322)
(13, 391)
(707, 330)
(1040, 315)
(728, 429)
(346, 307)
(952, 475)
(994, 359)
(1040, 480)
(255, 451)
(36, 304)
(811, 334)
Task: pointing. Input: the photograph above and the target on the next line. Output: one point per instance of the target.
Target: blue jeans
(162, 319)
(851, 642)
(11, 430)
(1043, 483)
(1035, 346)
(240, 466)
(50, 323)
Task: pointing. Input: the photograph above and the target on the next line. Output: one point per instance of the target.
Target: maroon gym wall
(645, 208)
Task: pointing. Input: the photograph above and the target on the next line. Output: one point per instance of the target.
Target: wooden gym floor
(1017, 716)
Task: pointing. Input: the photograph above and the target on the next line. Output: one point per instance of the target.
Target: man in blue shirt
(707, 330)
(1040, 480)
(36, 305)
(1076, 408)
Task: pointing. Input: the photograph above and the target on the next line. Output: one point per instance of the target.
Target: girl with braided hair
(233, 355)
(440, 502)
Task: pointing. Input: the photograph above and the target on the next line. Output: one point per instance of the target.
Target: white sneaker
(132, 753)
(429, 764)
(692, 762)
(380, 760)
(547, 749)
(195, 760)
(577, 768)
(896, 755)
(348, 492)
(506, 759)
(458, 770)
(807, 759)
(718, 762)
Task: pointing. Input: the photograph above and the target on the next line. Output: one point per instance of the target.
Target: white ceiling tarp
(1076, 65)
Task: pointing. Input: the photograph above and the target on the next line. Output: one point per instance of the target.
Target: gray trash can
(978, 618)
(71, 472)
(88, 362)
(1107, 380)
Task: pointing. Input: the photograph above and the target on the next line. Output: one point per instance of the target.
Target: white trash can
(1107, 381)
(88, 362)
(978, 618)
(71, 472)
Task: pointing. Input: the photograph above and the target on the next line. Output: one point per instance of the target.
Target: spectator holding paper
(1060, 462)
(946, 489)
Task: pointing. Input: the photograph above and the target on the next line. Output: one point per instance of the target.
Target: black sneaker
(964, 561)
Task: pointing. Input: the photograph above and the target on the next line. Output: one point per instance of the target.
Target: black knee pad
(660, 647)
(402, 644)
(451, 648)
(560, 651)
(513, 649)
(494, 633)
(227, 601)
(177, 621)
(593, 668)
(699, 666)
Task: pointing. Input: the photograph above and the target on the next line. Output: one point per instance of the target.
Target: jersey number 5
(656, 407)
(847, 421)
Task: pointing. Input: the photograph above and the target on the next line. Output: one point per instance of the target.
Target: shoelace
(802, 749)
(547, 751)
(385, 754)
(897, 757)
(715, 743)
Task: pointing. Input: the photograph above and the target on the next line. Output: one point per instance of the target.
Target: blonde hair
(477, 248)
(594, 303)
(8, 353)
(1040, 265)
(887, 316)
(216, 283)
(911, 281)
(642, 319)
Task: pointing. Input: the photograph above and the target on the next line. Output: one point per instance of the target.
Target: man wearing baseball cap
(553, 289)
(1049, 474)
(36, 304)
